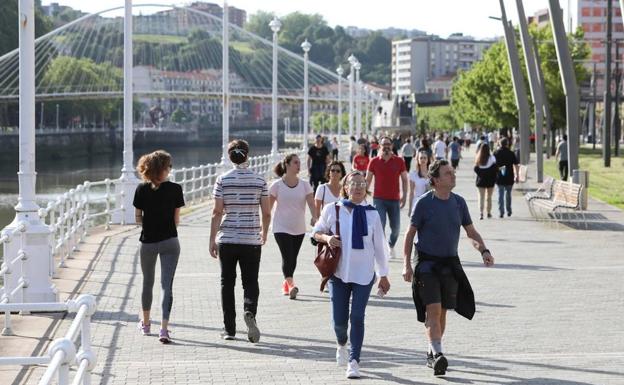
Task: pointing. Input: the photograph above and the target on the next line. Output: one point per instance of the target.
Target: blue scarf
(360, 224)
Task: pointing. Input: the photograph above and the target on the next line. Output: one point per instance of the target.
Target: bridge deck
(549, 312)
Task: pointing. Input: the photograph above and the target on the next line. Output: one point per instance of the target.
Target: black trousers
(563, 169)
(248, 256)
(289, 246)
(408, 162)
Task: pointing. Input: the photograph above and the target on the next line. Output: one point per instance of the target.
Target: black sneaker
(439, 365)
(430, 360)
(253, 333)
(509, 214)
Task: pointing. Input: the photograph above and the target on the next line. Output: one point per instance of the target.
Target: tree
(9, 24)
(483, 95)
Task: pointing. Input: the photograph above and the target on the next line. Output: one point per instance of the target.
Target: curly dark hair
(152, 165)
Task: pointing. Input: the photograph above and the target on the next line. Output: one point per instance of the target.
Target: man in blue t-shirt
(438, 280)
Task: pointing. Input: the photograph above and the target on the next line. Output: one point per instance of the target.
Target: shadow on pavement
(515, 266)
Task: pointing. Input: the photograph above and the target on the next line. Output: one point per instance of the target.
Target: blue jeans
(340, 292)
(393, 209)
(504, 198)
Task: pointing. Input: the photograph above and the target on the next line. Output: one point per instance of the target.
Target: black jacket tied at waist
(465, 296)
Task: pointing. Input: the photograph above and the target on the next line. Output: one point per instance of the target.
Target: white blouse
(357, 265)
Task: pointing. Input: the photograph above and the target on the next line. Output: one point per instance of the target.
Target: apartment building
(422, 59)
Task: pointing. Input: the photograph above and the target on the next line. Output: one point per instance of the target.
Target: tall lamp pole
(305, 46)
(225, 116)
(128, 181)
(275, 25)
(340, 72)
(352, 60)
(358, 100)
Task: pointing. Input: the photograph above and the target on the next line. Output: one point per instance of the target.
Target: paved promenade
(549, 312)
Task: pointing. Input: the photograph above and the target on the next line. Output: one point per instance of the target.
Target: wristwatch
(485, 251)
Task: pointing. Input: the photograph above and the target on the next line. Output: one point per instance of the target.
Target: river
(56, 177)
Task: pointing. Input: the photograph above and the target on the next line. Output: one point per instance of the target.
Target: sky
(439, 17)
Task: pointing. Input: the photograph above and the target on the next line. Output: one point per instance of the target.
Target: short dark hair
(338, 163)
(504, 142)
(238, 151)
(434, 169)
(565, 137)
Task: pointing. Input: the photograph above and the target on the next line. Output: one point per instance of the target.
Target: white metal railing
(197, 182)
(63, 352)
(71, 214)
(9, 266)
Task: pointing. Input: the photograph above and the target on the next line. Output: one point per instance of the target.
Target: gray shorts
(434, 289)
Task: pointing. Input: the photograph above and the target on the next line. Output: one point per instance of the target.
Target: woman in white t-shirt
(418, 181)
(329, 192)
(290, 194)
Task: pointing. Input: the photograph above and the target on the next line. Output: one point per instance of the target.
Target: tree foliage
(484, 96)
(330, 46)
(9, 24)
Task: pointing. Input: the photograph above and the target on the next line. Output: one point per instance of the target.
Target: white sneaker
(342, 355)
(392, 253)
(353, 369)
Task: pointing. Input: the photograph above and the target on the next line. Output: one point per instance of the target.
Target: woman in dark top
(486, 169)
(157, 202)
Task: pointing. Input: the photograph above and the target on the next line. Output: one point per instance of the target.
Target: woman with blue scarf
(364, 257)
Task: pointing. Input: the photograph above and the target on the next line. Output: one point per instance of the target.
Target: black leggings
(289, 246)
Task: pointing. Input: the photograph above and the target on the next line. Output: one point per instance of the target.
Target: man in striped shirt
(237, 235)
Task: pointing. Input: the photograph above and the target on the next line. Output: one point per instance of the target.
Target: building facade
(421, 59)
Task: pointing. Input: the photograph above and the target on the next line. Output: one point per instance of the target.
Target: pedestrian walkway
(549, 312)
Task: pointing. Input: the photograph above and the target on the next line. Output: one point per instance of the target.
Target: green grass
(160, 39)
(605, 184)
(242, 47)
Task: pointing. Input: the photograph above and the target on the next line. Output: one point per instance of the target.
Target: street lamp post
(34, 242)
(358, 100)
(128, 181)
(275, 25)
(340, 72)
(352, 60)
(57, 117)
(225, 115)
(306, 93)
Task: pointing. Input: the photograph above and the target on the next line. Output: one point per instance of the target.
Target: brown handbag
(327, 257)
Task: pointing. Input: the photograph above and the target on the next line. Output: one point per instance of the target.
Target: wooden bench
(564, 196)
(544, 191)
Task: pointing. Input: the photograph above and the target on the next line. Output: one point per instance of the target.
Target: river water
(56, 177)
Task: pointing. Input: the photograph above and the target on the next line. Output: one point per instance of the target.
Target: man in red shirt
(387, 169)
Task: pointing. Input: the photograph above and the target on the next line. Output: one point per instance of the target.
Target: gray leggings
(169, 251)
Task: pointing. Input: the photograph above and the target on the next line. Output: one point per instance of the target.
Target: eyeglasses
(335, 170)
(358, 184)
